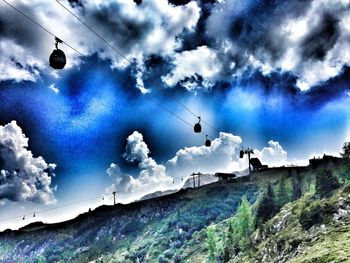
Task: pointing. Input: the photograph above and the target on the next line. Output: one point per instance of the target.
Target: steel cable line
(190, 111)
(123, 56)
(74, 49)
(177, 116)
(49, 32)
(170, 112)
(97, 34)
(41, 211)
(42, 27)
(92, 30)
(128, 60)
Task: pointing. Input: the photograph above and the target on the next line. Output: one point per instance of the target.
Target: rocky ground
(285, 239)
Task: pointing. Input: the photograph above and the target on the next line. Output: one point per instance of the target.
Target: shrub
(177, 259)
(161, 259)
(266, 207)
(211, 243)
(316, 213)
(326, 182)
(169, 253)
(344, 173)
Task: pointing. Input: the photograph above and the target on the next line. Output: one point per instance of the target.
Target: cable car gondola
(198, 127)
(241, 153)
(207, 141)
(57, 57)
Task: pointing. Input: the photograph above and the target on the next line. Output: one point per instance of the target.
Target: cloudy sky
(270, 75)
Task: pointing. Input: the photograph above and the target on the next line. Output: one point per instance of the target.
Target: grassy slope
(284, 239)
(328, 240)
(174, 228)
(147, 229)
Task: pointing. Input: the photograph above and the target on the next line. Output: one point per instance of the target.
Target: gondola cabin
(57, 58)
(207, 142)
(198, 127)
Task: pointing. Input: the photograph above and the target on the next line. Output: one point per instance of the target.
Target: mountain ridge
(174, 227)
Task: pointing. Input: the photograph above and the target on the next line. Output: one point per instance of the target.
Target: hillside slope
(289, 237)
(174, 228)
(145, 230)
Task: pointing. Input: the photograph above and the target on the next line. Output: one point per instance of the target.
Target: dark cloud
(279, 35)
(193, 39)
(135, 30)
(17, 28)
(179, 2)
(332, 90)
(283, 85)
(253, 28)
(237, 35)
(321, 39)
(2, 26)
(122, 30)
(76, 3)
(155, 66)
(277, 82)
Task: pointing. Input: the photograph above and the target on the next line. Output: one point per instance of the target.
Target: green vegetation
(282, 194)
(243, 223)
(211, 243)
(266, 207)
(288, 214)
(326, 183)
(346, 150)
(291, 215)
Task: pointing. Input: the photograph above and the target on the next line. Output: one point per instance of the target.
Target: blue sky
(257, 73)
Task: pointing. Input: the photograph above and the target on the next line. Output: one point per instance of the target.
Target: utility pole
(247, 151)
(194, 182)
(114, 196)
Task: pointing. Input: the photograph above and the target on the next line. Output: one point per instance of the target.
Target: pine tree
(266, 208)
(211, 243)
(244, 224)
(229, 242)
(282, 193)
(346, 150)
(297, 187)
(325, 183)
(178, 215)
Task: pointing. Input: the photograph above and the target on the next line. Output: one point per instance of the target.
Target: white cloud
(23, 177)
(222, 156)
(274, 155)
(54, 89)
(152, 176)
(17, 64)
(192, 65)
(136, 149)
(275, 42)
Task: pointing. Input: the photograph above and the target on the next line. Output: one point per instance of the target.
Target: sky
(270, 75)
